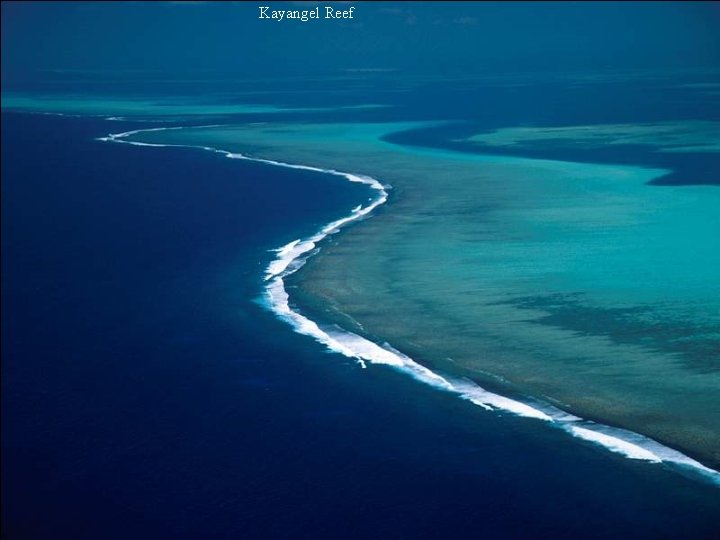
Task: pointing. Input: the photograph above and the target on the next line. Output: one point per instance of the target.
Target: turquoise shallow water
(575, 283)
(160, 108)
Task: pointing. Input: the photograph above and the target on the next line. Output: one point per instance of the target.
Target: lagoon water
(148, 390)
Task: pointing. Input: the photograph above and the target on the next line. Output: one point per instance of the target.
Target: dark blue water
(146, 394)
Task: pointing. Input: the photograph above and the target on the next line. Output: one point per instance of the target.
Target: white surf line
(292, 256)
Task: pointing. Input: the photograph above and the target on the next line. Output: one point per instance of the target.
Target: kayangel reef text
(328, 12)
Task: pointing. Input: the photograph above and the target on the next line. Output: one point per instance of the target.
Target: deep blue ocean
(148, 394)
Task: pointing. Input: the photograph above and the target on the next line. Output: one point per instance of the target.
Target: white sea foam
(290, 257)
(615, 444)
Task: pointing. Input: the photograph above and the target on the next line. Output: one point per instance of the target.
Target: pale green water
(680, 137)
(124, 106)
(572, 282)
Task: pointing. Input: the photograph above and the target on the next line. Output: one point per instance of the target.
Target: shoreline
(292, 256)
